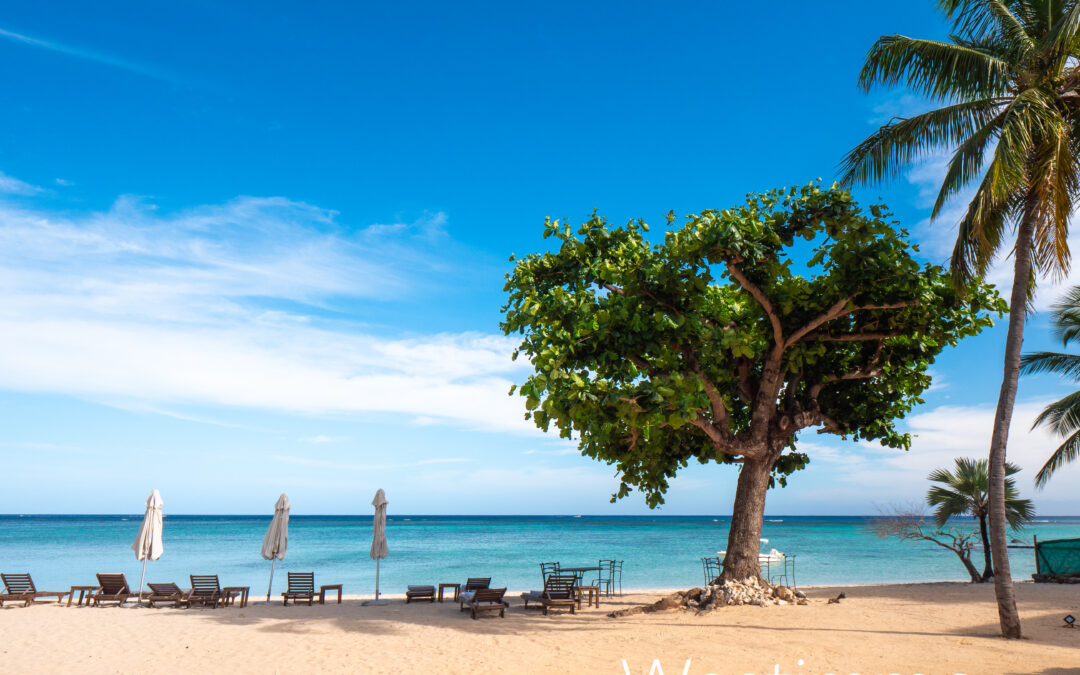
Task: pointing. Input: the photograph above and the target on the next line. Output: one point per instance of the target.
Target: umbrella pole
(273, 561)
(376, 579)
(142, 578)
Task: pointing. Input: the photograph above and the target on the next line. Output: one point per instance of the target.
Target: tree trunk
(969, 566)
(988, 568)
(1008, 617)
(747, 514)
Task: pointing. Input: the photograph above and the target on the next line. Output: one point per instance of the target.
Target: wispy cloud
(344, 466)
(940, 435)
(236, 305)
(14, 186)
(86, 54)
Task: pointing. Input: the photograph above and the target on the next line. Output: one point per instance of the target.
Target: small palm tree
(964, 492)
(1063, 416)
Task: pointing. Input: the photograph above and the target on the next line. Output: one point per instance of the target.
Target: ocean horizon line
(406, 516)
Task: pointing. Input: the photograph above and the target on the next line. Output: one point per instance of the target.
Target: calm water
(660, 552)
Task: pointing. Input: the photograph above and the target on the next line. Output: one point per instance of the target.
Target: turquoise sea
(659, 551)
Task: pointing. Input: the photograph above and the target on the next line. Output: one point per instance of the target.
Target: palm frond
(966, 162)
(895, 145)
(1054, 184)
(1061, 37)
(1066, 365)
(935, 69)
(1066, 452)
(983, 18)
(1066, 324)
(1062, 416)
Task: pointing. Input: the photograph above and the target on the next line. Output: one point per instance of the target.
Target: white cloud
(940, 435)
(234, 305)
(320, 438)
(14, 186)
(85, 54)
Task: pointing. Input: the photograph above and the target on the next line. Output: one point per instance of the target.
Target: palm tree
(965, 493)
(1062, 416)
(1007, 84)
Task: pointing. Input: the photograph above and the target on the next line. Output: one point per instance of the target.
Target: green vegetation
(965, 492)
(1007, 82)
(717, 346)
(1062, 416)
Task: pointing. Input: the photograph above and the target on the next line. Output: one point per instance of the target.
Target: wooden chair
(488, 600)
(301, 586)
(603, 578)
(112, 587)
(420, 593)
(616, 575)
(167, 593)
(472, 584)
(713, 567)
(546, 570)
(20, 588)
(205, 590)
(559, 591)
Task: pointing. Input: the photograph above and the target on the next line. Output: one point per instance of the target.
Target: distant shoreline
(403, 516)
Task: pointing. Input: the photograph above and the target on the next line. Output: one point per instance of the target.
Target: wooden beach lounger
(167, 593)
(420, 593)
(472, 584)
(111, 588)
(205, 590)
(558, 591)
(20, 587)
(488, 600)
(301, 587)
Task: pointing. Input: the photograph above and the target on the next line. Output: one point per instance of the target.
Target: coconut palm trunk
(984, 534)
(1008, 616)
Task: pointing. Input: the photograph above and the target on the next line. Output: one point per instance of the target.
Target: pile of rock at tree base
(1073, 578)
(750, 591)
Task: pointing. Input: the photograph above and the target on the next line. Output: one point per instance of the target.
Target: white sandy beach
(905, 629)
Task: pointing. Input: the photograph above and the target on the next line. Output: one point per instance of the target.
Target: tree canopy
(723, 340)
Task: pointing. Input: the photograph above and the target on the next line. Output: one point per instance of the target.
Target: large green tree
(963, 492)
(725, 340)
(1063, 415)
(1007, 83)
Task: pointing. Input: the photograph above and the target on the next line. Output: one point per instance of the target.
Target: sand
(916, 628)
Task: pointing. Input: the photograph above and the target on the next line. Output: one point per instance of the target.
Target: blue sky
(266, 242)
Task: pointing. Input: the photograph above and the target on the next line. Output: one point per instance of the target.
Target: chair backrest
(17, 584)
(616, 569)
(204, 585)
(301, 582)
(605, 568)
(489, 595)
(547, 569)
(165, 589)
(112, 583)
(712, 567)
(559, 586)
(476, 583)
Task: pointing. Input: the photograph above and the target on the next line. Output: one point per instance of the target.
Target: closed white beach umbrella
(379, 549)
(148, 545)
(277, 537)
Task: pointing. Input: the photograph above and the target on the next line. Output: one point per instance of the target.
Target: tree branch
(763, 300)
(854, 337)
(863, 373)
(719, 409)
(835, 312)
(720, 442)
